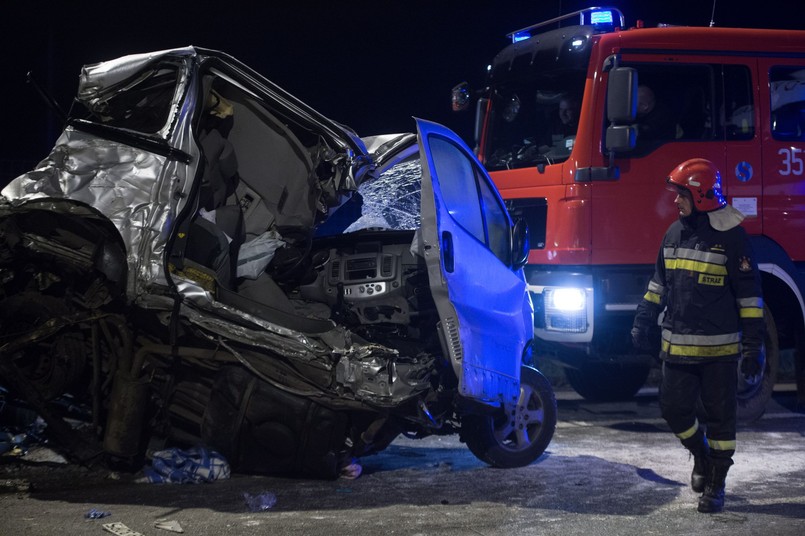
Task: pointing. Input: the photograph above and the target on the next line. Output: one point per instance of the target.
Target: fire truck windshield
(533, 119)
(535, 88)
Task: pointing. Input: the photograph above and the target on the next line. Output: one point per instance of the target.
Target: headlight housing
(565, 309)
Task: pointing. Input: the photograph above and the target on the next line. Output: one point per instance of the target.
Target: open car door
(485, 309)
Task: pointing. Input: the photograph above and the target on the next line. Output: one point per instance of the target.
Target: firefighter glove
(640, 338)
(753, 359)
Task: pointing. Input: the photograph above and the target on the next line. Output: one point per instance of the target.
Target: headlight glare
(567, 299)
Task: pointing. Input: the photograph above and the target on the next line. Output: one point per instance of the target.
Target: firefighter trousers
(694, 395)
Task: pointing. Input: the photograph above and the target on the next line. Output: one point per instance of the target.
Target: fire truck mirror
(622, 96)
(460, 97)
(621, 138)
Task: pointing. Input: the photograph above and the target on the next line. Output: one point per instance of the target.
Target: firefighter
(707, 282)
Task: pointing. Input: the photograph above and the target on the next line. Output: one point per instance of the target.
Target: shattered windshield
(533, 119)
(390, 202)
(141, 103)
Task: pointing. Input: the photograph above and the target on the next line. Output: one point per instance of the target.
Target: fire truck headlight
(567, 299)
(566, 310)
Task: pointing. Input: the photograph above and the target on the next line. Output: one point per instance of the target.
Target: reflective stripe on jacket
(709, 285)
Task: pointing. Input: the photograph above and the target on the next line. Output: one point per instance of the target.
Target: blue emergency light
(602, 19)
(520, 36)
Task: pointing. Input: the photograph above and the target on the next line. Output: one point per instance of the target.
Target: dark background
(369, 64)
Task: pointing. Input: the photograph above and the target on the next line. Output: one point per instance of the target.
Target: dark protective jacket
(709, 283)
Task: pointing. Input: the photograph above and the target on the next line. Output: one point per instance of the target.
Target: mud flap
(262, 429)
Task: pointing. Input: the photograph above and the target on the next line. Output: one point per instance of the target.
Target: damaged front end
(203, 259)
(120, 288)
(201, 371)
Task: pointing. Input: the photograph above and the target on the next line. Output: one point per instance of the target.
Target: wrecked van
(203, 259)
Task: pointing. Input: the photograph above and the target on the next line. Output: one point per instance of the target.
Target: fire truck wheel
(522, 432)
(605, 382)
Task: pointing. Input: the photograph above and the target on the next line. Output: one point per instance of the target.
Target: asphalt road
(611, 469)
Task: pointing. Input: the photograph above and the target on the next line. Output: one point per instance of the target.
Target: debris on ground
(172, 526)
(97, 514)
(119, 529)
(192, 466)
(260, 502)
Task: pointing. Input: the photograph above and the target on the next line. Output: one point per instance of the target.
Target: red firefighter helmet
(701, 178)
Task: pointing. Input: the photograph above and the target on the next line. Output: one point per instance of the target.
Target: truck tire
(752, 400)
(521, 434)
(606, 382)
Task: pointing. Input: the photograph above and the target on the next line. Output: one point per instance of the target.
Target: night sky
(370, 65)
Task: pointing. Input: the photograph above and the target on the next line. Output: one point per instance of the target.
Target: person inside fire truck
(567, 117)
(707, 281)
(655, 121)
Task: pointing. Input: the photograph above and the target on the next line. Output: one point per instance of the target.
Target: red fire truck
(591, 183)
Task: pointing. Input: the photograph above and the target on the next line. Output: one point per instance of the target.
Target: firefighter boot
(712, 500)
(697, 445)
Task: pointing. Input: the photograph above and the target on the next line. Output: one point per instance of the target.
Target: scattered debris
(119, 529)
(23, 433)
(96, 514)
(172, 526)
(194, 465)
(261, 502)
(20, 426)
(44, 454)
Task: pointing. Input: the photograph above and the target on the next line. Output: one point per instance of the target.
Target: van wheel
(605, 382)
(752, 399)
(522, 433)
(53, 364)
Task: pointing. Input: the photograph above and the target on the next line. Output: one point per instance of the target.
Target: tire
(752, 400)
(54, 364)
(604, 382)
(522, 433)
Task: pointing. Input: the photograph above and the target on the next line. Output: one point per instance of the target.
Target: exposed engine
(380, 291)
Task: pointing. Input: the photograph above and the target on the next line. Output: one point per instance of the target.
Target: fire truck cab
(591, 185)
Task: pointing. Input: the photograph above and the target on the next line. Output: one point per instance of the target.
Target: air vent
(387, 267)
(335, 270)
(451, 333)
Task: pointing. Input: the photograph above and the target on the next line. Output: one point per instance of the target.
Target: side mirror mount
(480, 119)
(520, 245)
(460, 97)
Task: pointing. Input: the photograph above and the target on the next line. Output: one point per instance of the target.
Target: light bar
(601, 17)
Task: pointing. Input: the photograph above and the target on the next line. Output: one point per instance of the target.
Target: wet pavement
(611, 469)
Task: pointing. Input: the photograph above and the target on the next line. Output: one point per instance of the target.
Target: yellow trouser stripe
(721, 445)
(689, 432)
